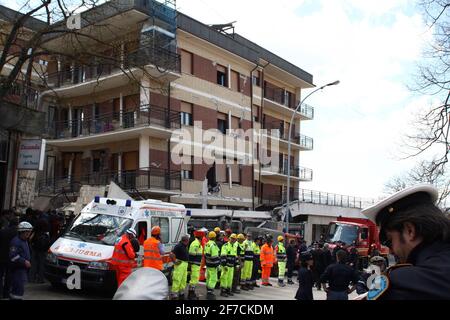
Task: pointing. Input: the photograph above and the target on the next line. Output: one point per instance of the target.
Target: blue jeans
(337, 295)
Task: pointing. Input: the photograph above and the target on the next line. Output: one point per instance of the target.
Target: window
(187, 168)
(96, 165)
(186, 174)
(163, 223)
(255, 113)
(222, 76)
(235, 173)
(186, 113)
(186, 119)
(364, 234)
(186, 62)
(176, 229)
(222, 122)
(234, 80)
(287, 98)
(257, 79)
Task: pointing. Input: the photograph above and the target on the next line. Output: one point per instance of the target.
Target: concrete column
(121, 109)
(144, 151)
(145, 91)
(119, 166)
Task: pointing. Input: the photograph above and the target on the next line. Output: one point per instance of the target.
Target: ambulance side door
(142, 228)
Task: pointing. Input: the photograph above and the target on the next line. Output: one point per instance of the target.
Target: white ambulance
(89, 241)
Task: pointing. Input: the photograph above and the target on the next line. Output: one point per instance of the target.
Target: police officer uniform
(19, 255)
(426, 273)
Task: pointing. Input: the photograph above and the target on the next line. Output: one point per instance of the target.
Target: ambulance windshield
(98, 228)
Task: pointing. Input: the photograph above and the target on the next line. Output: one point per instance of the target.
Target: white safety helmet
(132, 231)
(24, 226)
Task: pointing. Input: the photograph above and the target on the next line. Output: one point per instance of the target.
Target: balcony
(275, 129)
(143, 180)
(297, 173)
(148, 119)
(276, 100)
(107, 73)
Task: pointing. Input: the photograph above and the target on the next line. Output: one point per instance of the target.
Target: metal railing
(163, 59)
(146, 115)
(307, 111)
(143, 179)
(326, 198)
(295, 171)
(277, 130)
(305, 174)
(318, 197)
(306, 142)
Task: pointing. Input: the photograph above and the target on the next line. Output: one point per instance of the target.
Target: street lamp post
(288, 209)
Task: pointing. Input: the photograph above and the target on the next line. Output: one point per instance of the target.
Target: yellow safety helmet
(233, 236)
(212, 235)
(280, 238)
(216, 229)
(240, 236)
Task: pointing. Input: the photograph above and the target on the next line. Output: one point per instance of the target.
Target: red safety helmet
(199, 233)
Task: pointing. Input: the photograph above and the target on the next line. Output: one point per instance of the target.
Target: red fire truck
(363, 232)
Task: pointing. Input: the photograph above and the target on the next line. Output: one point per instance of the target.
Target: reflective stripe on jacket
(266, 255)
(281, 252)
(124, 254)
(228, 255)
(152, 256)
(212, 254)
(249, 250)
(195, 252)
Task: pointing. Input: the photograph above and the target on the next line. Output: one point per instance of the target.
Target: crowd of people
(24, 242)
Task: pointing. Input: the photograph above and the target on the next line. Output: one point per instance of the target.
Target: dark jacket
(327, 259)
(305, 285)
(428, 276)
(6, 235)
(319, 261)
(291, 254)
(339, 276)
(19, 252)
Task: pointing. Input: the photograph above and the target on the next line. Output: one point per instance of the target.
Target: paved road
(46, 292)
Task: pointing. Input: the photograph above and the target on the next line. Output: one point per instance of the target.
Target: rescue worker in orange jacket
(267, 259)
(123, 256)
(154, 250)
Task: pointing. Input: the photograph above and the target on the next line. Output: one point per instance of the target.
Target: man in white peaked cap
(418, 233)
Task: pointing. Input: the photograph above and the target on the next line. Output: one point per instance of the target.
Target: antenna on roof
(224, 28)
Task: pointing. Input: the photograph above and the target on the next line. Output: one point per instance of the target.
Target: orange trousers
(265, 274)
(121, 274)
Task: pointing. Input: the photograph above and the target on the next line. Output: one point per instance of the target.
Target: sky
(373, 48)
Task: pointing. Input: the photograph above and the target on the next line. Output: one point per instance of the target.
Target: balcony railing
(306, 142)
(143, 179)
(283, 170)
(305, 174)
(146, 115)
(326, 198)
(163, 59)
(318, 197)
(307, 111)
